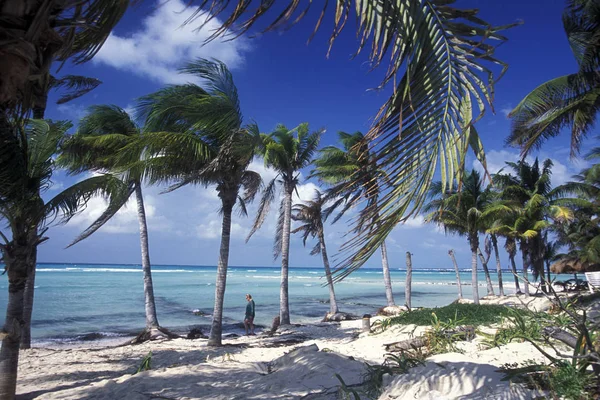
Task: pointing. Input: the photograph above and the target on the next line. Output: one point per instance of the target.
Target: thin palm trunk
(548, 272)
(150, 305)
(474, 242)
(333, 307)
(284, 305)
(17, 260)
(524, 252)
(387, 279)
(451, 254)
(498, 265)
(217, 322)
(486, 272)
(408, 285)
(513, 266)
(28, 303)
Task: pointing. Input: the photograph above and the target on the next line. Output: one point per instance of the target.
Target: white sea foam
(251, 270)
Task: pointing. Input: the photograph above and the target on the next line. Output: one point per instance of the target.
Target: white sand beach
(297, 362)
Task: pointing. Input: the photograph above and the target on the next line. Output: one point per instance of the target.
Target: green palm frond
(264, 206)
(74, 86)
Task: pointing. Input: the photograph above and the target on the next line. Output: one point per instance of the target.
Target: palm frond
(264, 206)
(74, 86)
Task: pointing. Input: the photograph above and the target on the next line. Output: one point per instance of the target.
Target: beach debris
(391, 311)
(337, 317)
(159, 333)
(196, 333)
(460, 333)
(366, 323)
(276, 323)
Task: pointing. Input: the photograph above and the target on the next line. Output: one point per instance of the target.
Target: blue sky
(282, 80)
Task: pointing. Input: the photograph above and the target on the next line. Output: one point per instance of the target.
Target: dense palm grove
(196, 134)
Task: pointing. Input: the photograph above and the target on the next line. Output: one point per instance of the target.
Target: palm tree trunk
(387, 279)
(451, 254)
(486, 271)
(548, 272)
(284, 305)
(333, 307)
(498, 265)
(513, 266)
(217, 321)
(150, 306)
(408, 285)
(474, 243)
(17, 259)
(28, 303)
(524, 252)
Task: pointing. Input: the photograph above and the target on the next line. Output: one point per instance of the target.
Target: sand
(298, 362)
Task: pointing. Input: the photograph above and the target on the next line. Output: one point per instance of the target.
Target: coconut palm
(462, 213)
(208, 145)
(484, 264)
(493, 239)
(26, 168)
(95, 147)
(435, 51)
(287, 151)
(311, 215)
(511, 248)
(352, 174)
(48, 31)
(534, 204)
(569, 100)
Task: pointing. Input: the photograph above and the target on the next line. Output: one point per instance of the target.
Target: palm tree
(462, 213)
(48, 31)
(72, 87)
(436, 51)
(484, 263)
(458, 283)
(287, 151)
(26, 168)
(353, 176)
(208, 145)
(312, 215)
(511, 248)
(95, 147)
(493, 239)
(408, 285)
(569, 100)
(534, 203)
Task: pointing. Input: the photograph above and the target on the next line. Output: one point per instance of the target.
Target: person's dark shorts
(249, 319)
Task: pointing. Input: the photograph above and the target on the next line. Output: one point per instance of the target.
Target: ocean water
(76, 302)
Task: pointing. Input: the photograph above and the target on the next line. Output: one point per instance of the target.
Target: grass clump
(468, 314)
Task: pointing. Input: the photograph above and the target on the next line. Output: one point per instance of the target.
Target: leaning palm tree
(287, 151)
(100, 137)
(26, 168)
(457, 271)
(493, 239)
(570, 100)
(511, 248)
(311, 215)
(203, 141)
(462, 213)
(353, 176)
(435, 51)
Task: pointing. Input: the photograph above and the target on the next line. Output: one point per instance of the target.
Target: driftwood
(561, 335)
(460, 333)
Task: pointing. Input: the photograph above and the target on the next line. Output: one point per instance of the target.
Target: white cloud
(73, 111)
(162, 44)
(416, 222)
(506, 110)
(212, 230)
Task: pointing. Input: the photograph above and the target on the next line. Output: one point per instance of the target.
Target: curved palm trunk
(486, 271)
(28, 303)
(408, 285)
(333, 307)
(498, 266)
(217, 321)
(513, 266)
(284, 305)
(17, 258)
(150, 306)
(474, 243)
(387, 279)
(525, 253)
(451, 254)
(549, 277)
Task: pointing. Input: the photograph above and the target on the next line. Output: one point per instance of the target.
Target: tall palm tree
(208, 145)
(435, 51)
(287, 151)
(311, 215)
(462, 213)
(95, 147)
(353, 176)
(570, 100)
(511, 248)
(484, 264)
(493, 239)
(26, 168)
(70, 87)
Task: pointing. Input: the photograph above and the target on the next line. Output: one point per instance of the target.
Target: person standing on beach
(249, 319)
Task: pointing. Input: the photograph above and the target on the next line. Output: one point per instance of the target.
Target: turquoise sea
(76, 302)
